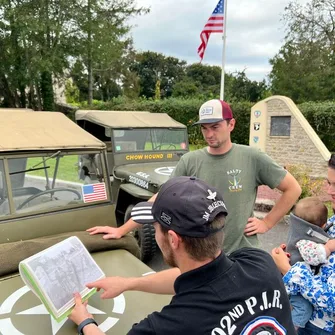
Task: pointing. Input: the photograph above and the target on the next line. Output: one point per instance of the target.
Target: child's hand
(280, 258)
(311, 252)
(330, 247)
(283, 246)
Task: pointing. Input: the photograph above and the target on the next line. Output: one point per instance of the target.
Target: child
(307, 221)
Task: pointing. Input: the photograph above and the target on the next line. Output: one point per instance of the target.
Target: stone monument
(278, 128)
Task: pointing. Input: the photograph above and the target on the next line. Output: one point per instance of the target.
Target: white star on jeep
(212, 195)
(8, 328)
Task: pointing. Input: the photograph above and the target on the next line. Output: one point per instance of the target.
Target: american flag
(94, 192)
(213, 25)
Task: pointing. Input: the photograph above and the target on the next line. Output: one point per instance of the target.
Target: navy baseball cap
(185, 205)
(214, 110)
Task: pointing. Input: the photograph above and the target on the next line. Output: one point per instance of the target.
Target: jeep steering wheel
(47, 192)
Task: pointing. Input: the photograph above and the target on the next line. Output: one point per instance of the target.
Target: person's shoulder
(246, 149)
(195, 153)
(254, 260)
(250, 254)
(144, 327)
(248, 250)
(259, 156)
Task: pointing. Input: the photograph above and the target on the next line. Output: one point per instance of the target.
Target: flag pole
(223, 50)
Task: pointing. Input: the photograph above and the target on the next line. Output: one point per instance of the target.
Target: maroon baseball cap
(185, 205)
(214, 111)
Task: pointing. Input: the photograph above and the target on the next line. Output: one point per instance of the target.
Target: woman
(318, 289)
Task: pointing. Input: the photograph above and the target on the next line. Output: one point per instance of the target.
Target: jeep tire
(145, 236)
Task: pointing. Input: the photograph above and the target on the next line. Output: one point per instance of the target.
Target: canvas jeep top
(15, 110)
(143, 148)
(43, 201)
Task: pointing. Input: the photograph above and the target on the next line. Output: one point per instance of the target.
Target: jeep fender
(136, 191)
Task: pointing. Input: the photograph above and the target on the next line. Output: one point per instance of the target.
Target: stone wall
(299, 147)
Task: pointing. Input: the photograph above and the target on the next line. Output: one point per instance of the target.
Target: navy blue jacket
(240, 294)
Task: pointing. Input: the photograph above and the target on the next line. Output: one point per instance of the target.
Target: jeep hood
(21, 312)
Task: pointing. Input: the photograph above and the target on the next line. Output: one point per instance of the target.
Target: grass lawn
(67, 168)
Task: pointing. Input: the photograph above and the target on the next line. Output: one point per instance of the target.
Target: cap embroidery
(212, 195)
(166, 218)
(188, 214)
(206, 216)
(216, 204)
(213, 206)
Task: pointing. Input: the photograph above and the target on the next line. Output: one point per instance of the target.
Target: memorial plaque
(280, 126)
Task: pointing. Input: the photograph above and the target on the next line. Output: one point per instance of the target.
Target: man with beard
(212, 292)
(236, 171)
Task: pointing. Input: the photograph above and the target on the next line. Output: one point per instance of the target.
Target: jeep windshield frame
(28, 190)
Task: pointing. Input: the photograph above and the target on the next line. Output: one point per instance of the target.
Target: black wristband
(85, 323)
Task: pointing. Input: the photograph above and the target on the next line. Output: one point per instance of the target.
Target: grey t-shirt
(236, 174)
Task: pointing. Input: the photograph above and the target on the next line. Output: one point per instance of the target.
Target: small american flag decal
(94, 192)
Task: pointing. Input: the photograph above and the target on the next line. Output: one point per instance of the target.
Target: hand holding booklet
(56, 273)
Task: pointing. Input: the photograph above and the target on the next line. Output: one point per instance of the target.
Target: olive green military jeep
(43, 201)
(142, 150)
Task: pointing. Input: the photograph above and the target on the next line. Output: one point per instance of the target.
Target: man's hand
(280, 258)
(79, 313)
(110, 232)
(256, 226)
(112, 286)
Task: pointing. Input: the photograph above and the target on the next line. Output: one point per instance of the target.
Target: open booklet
(55, 273)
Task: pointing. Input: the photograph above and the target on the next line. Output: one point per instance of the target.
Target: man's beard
(168, 256)
(215, 145)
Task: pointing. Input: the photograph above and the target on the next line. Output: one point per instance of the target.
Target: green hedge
(321, 116)
(184, 111)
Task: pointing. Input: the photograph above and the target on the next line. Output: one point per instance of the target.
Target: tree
(185, 88)
(302, 72)
(40, 38)
(105, 41)
(312, 22)
(151, 67)
(131, 85)
(241, 88)
(203, 81)
(199, 81)
(304, 67)
(37, 38)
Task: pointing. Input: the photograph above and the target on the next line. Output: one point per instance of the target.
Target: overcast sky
(255, 32)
